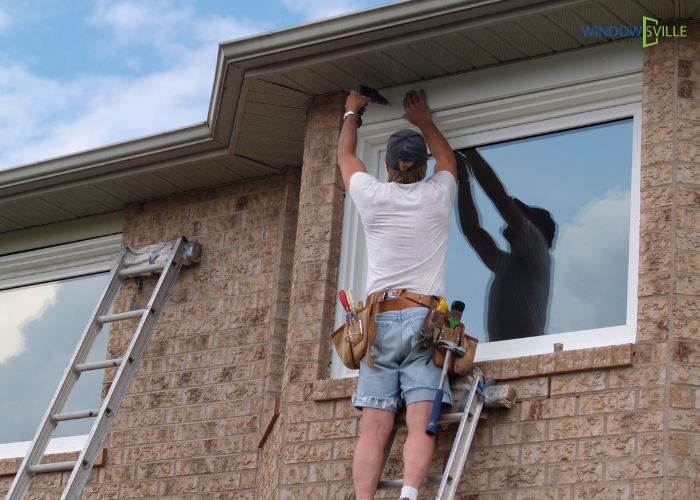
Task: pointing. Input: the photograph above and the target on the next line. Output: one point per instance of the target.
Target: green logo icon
(647, 31)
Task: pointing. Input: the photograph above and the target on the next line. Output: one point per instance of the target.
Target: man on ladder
(406, 223)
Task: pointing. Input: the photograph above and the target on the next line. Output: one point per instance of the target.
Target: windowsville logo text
(650, 31)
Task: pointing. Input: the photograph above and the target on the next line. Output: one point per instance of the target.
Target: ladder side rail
(37, 448)
(124, 374)
(462, 443)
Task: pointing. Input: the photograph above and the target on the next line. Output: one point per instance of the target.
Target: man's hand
(355, 101)
(418, 114)
(417, 110)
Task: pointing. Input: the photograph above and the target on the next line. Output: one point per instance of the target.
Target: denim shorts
(400, 372)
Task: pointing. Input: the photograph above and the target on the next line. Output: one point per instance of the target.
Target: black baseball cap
(406, 144)
(540, 218)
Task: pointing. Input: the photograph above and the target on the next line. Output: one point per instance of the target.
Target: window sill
(541, 365)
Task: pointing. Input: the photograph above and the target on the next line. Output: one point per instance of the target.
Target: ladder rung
(97, 365)
(57, 467)
(398, 483)
(74, 415)
(446, 418)
(111, 318)
(139, 270)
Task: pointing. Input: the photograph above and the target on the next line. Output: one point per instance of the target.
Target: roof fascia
(113, 158)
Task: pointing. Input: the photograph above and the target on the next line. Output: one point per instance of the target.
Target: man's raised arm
(348, 162)
(480, 240)
(418, 114)
(494, 189)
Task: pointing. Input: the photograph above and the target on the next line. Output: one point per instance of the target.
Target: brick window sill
(541, 365)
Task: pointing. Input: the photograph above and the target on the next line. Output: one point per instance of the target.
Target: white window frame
(512, 101)
(45, 265)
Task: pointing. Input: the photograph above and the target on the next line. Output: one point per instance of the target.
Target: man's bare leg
(369, 454)
(419, 447)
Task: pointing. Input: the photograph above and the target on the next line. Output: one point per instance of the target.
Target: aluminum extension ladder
(161, 258)
(470, 410)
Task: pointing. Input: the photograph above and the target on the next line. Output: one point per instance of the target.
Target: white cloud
(42, 117)
(590, 263)
(17, 308)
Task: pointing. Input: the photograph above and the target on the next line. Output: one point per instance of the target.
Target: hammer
(458, 351)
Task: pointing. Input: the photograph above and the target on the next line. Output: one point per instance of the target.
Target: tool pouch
(433, 323)
(352, 341)
(458, 366)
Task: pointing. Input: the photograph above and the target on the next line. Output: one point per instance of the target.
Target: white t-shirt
(407, 228)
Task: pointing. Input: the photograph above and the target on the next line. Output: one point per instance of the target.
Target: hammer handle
(431, 430)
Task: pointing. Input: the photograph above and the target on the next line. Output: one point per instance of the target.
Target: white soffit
(263, 85)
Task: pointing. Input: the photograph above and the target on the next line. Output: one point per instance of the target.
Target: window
(40, 325)
(575, 132)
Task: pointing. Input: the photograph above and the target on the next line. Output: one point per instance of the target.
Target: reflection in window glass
(583, 177)
(39, 330)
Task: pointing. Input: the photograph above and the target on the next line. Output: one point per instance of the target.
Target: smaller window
(40, 327)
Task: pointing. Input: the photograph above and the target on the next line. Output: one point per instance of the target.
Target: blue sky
(81, 74)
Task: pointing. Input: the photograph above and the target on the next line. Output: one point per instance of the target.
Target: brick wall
(191, 421)
(670, 263)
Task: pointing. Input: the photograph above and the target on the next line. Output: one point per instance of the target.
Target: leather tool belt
(352, 340)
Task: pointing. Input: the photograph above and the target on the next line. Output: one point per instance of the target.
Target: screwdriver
(351, 302)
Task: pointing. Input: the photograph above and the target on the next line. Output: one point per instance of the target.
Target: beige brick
(644, 421)
(493, 457)
(548, 408)
(679, 444)
(531, 387)
(654, 241)
(607, 402)
(685, 306)
(606, 447)
(660, 196)
(651, 444)
(572, 428)
(652, 398)
(648, 490)
(685, 374)
(576, 473)
(639, 468)
(604, 492)
(548, 453)
(659, 218)
(687, 152)
(518, 433)
(658, 71)
(641, 376)
(578, 382)
(661, 112)
(517, 478)
(688, 174)
(307, 453)
(684, 420)
(655, 92)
